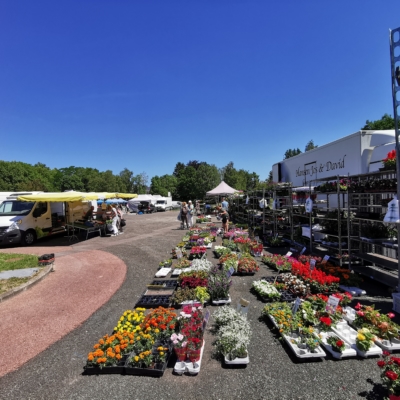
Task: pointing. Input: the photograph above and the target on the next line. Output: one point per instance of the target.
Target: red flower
(339, 343)
(391, 375)
(381, 363)
(326, 321)
(386, 353)
(358, 306)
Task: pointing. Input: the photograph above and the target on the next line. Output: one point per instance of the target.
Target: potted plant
(179, 343)
(165, 263)
(364, 339)
(336, 343)
(266, 290)
(247, 265)
(390, 374)
(218, 285)
(389, 162)
(233, 335)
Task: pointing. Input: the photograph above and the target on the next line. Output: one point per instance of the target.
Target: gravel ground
(273, 373)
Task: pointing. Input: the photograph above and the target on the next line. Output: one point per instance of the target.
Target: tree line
(188, 181)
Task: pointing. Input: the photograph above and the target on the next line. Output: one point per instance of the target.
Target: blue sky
(144, 84)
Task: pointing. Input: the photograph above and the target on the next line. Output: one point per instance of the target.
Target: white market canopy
(222, 189)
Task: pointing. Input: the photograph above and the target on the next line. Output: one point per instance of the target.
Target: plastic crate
(396, 302)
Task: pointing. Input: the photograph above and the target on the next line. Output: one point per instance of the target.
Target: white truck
(164, 204)
(359, 153)
(22, 222)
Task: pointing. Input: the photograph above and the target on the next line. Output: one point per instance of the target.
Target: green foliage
(386, 122)
(291, 153)
(310, 145)
(13, 261)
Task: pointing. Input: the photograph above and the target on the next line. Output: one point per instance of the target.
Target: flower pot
(194, 355)
(180, 353)
(394, 397)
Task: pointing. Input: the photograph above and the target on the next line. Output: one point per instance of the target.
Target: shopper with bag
(184, 215)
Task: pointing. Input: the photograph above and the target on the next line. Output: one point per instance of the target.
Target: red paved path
(54, 307)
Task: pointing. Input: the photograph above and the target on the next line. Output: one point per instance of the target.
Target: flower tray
(388, 345)
(237, 361)
(348, 334)
(300, 353)
(221, 302)
(163, 272)
(157, 371)
(354, 291)
(240, 273)
(154, 301)
(170, 284)
(189, 367)
(287, 296)
(348, 352)
(271, 279)
(112, 369)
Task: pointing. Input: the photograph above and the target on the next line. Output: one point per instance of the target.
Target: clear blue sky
(145, 84)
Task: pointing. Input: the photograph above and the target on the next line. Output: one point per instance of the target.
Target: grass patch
(9, 284)
(10, 262)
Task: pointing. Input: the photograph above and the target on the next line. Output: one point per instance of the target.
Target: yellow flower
(360, 337)
(161, 353)
(136, 358)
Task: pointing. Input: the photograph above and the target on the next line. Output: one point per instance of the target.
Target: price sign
(206, 318)
(302, 251)
(244, 303)
(178, 253)
(288, 254)
(296, 305)
(312, 264)
(230, 272)
(325, 260)
(332, 304)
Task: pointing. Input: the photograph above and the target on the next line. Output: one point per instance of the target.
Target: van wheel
(29, 238)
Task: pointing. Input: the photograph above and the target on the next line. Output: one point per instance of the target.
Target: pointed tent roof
(221, 189)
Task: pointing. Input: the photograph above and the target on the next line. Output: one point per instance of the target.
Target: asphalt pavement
(56, 372)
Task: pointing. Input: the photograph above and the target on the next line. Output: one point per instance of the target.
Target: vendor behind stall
(89, 214)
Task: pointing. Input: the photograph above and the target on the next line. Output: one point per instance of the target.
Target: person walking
(224, 204)
(225, 219)
(114, 216)
(190, 213)
(184, 215)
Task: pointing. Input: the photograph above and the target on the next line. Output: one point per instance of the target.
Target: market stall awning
(221, 189)
(64, 196)
(125, 195)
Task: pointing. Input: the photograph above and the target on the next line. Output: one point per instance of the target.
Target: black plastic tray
(152, 301)
(170, 284)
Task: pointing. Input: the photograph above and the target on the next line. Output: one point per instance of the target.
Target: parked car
(146, 207)
(176, 204)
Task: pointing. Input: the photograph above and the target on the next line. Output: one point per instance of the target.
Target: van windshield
(14, 207)
(161, 202)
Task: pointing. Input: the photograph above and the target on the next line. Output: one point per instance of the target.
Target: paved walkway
(36, 318)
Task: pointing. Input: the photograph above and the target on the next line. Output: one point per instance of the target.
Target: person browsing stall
(225, 219)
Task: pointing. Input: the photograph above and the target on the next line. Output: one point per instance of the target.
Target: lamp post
(395, 68)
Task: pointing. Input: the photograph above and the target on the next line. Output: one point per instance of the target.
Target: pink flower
(360, 313)
(391, 315)
(358, 306)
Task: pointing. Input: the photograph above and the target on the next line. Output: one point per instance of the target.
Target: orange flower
(101, 341)
(96, 346)
(118, 356)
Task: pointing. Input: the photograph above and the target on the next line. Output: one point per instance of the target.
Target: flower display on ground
(364, 339)
(336, 343)
(390, 374)
(130, 320)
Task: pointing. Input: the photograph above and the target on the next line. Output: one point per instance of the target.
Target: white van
(26, 221)
(164, 204)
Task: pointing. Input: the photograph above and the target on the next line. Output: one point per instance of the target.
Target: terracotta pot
(180, 353)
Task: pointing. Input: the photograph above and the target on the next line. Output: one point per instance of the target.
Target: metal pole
(395, 44)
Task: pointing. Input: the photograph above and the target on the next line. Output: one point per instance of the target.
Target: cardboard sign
(296, 305)
(302, 251)
(206, 318)
(332, 304)
(312, 264)
(244, 303)
(325, 260)
(178, 253)
(230, 272)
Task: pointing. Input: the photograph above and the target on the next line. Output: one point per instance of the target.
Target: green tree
(163, 185)
(126, 177)
(386, 122)
(291, 153)
(310, 145)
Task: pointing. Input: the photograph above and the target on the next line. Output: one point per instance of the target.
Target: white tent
(221, 189)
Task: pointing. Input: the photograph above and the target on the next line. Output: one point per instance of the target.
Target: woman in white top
(190, 213)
